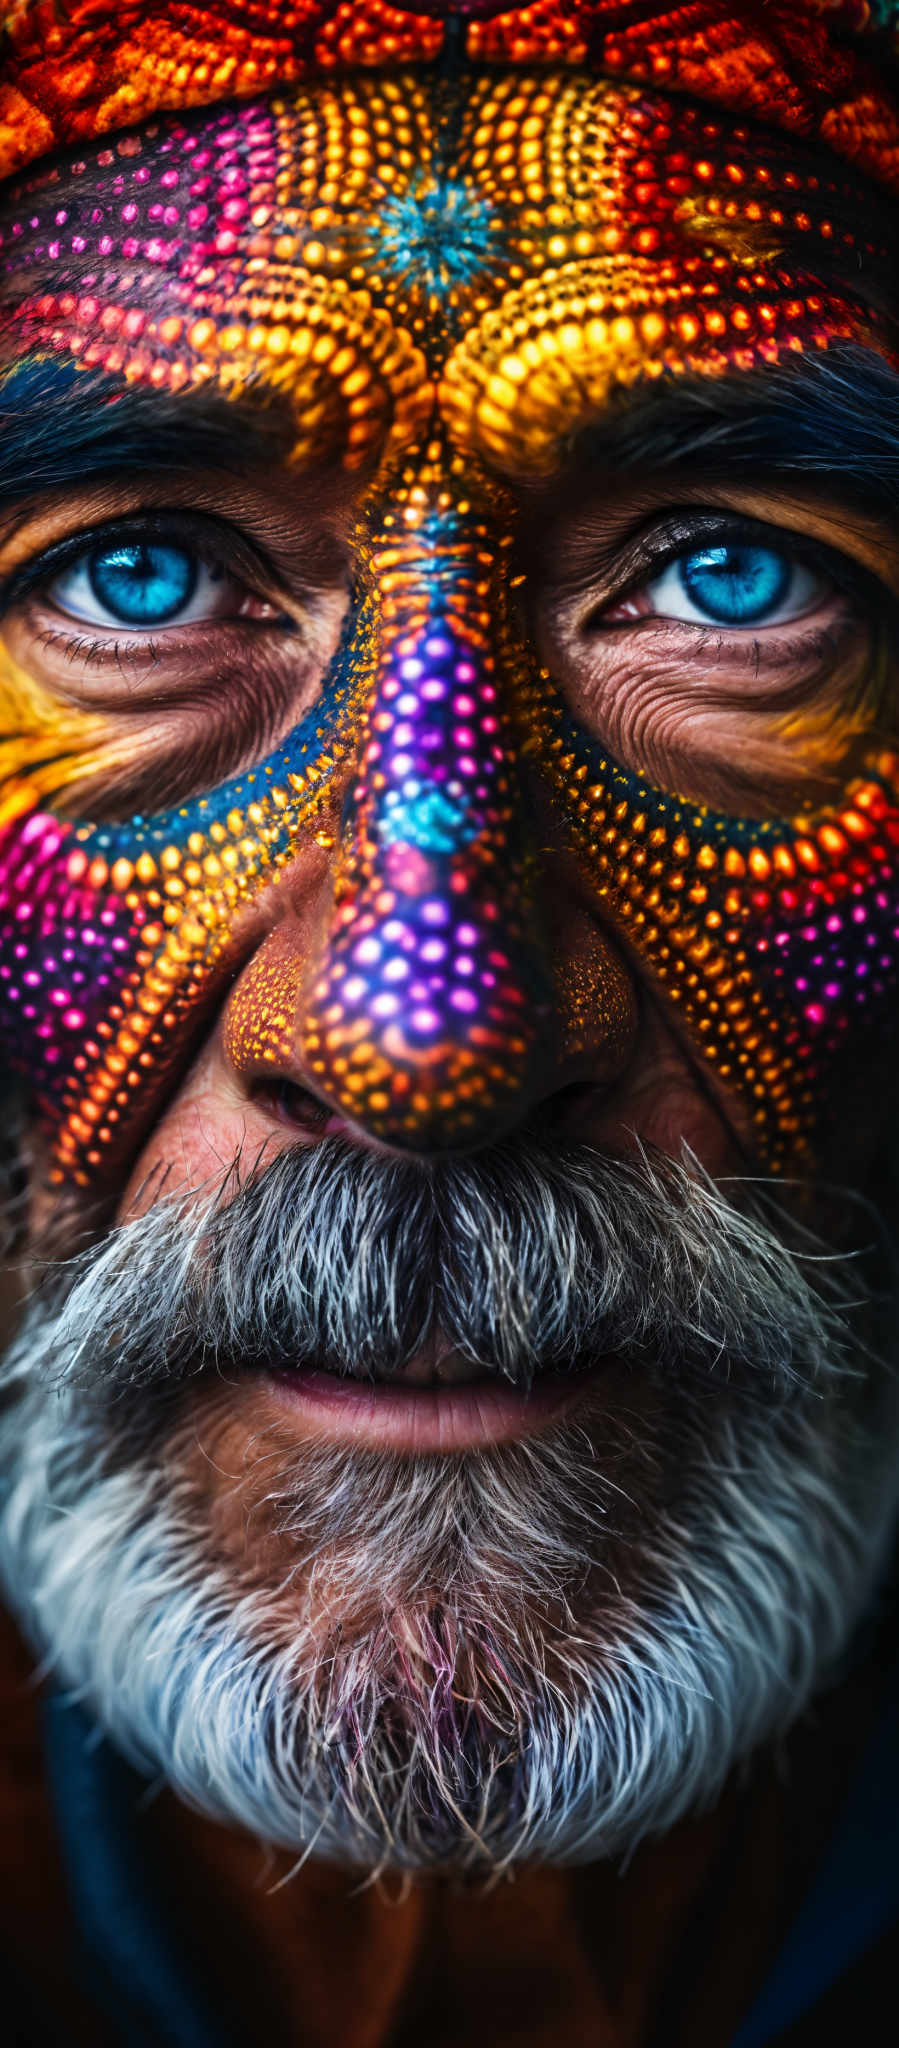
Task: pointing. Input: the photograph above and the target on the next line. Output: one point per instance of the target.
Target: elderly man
(448, 954)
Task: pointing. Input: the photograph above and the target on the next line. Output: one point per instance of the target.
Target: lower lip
(423, 1419)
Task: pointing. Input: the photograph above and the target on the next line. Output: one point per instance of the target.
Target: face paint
(447, 283)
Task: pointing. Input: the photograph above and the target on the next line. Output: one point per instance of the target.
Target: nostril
(299, 1110)
(289, 1103)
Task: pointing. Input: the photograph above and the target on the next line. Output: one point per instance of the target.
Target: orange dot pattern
(72, 70)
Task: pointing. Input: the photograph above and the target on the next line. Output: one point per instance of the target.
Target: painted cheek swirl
(114, 939)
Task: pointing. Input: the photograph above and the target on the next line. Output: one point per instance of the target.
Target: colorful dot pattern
(426, 1016)
(72, 70)
(614, 233)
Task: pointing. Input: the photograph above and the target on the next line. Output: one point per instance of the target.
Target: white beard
(601, 1709)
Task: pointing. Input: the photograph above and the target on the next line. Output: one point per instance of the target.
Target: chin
(540, 1648)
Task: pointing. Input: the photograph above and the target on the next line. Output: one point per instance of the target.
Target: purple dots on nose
(425, 1021)
(464, 1000)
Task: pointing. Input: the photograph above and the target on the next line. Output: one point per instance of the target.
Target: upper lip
(436, 1363)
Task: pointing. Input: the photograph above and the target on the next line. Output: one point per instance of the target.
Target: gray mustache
(524, 1259)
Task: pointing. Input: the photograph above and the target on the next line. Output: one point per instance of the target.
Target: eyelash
(214, 543)
(650, 553)
(79, 648)
(642, 560)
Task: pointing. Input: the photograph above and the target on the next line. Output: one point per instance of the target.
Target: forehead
(517, 242)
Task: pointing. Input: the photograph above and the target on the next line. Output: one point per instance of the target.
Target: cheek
(204, 1132)
(776, 942)
(71, 940)
(117, 942)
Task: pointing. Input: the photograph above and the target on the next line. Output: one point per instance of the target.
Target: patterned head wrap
(73, 69)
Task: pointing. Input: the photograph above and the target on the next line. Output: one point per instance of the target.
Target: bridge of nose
(426, 1011)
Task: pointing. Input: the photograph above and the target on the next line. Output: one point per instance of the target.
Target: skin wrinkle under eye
(723, 715)
(703, 743)
(733, 916)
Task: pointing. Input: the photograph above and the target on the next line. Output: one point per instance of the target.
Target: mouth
(417, 1410)
(438, 1401)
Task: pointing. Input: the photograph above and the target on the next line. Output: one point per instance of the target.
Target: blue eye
(144, 583)
(736, 585)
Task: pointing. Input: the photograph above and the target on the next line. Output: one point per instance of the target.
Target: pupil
(735, 584)
(143, 583)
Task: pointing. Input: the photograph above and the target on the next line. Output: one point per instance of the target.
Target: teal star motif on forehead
(433, 239)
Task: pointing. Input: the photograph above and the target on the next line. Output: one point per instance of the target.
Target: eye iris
(735, 584)
(143, 583)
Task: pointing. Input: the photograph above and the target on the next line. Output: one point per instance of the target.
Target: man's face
(449, 707)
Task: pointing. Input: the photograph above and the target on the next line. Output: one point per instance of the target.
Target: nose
(428, 1005)
(418, 994)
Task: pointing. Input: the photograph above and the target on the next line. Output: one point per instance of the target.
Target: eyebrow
(61, 425)
(833, 415)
